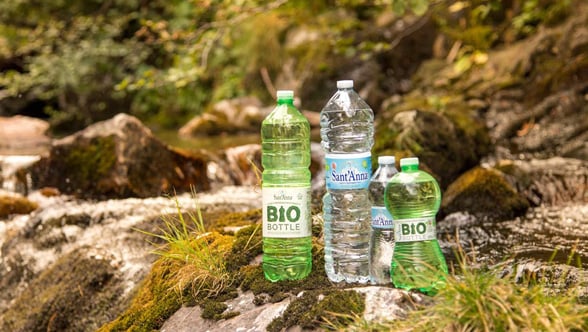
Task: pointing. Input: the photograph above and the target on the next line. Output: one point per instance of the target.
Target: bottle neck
(283, 101)
(409, 168)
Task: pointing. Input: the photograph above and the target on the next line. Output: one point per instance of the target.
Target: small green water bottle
(413, 197)
(285, 144)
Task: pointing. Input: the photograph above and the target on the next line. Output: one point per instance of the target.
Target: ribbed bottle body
(382, 224)
(347, 137)
(287, 243)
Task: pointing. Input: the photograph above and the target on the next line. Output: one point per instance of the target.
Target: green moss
(338, 307)
(76, 293)
(91, 161)
(161, 296)
(310, 311)
(153, 303)
(15, 205)
(294, 312)
(246, 246)
(174, 282)
(236, 219)
(213, 309)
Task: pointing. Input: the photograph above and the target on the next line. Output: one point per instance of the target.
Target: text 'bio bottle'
(382, 231)
(413, 198)
(347, 137)
(285, 142)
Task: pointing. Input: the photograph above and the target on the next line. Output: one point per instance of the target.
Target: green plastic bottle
(413, 197)
(285, 143)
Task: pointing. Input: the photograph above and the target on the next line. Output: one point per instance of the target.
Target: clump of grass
(185, 240)
(478, 299)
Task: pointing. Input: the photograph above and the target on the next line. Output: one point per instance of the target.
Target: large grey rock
(382, 303)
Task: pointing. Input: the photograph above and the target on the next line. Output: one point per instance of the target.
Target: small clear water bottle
(285, 143)
(382, 231)
(413, 197)
(347, 128)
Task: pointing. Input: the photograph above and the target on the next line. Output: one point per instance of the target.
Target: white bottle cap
(386, 160)
(345, 84)
(285, 94)
(409, 161)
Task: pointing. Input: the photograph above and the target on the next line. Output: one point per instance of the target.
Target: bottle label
(381, 218)
(348, 171)
(286, 212)
(412, 230)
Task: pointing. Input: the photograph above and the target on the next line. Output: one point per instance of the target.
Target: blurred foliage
(165, 61)
(476, 26)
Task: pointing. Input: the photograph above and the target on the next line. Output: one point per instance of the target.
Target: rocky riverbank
(506, 139)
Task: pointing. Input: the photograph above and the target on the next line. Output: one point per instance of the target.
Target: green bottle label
(412, 230)
(286, 212)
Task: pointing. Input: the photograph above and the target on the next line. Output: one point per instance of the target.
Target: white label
(412, 230)
(286, 212)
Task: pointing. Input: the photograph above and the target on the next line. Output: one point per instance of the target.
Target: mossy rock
(173, 282)
(246, 246)
(154, 302)
(12, 204)
(235, 219)
(74, 294)
(316, 309)
(118, 158)
(447, 142)
(484, 193)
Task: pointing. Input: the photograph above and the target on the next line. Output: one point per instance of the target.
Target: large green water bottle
(285, 143)
(413, 197)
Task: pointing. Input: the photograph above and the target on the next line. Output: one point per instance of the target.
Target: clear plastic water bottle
(413, 197)
(347, 130)
(285, 143)
(382, 231)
